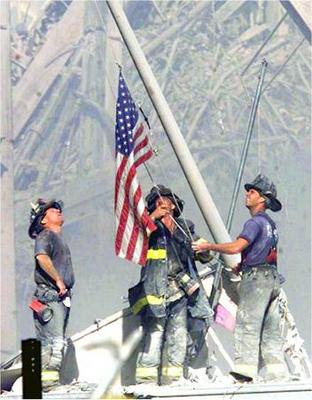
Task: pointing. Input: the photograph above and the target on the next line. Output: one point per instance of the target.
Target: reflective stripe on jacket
(167, 256)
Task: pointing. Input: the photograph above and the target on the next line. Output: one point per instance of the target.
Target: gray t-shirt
(53, 245)
(261, 234)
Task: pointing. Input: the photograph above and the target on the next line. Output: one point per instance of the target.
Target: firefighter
(168, 293)
(258, 340)
(54, 278)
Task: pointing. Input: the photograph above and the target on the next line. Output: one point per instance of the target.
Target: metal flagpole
(242, 163)
(216, 283)
(188, 165)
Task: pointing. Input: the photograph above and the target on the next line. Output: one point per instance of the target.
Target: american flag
(132, 149)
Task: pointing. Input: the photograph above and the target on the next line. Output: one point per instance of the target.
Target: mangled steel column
(189, 167)
(8, 296)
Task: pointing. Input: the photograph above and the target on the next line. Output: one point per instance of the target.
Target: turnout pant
(52, 337)
(258, 340)
(162, 356)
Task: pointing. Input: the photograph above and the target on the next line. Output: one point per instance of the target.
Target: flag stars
(126, 119)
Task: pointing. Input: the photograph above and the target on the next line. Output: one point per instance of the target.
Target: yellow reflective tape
(172, 371)
(144, 301)
(49, 375)
(146, 372)
(185, 278)
(158, 254)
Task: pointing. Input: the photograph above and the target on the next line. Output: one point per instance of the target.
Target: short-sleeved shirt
(261, 234)
(53, 245)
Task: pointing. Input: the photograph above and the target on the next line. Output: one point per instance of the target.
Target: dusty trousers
(258, 340)
(53, 342)
(163, 352)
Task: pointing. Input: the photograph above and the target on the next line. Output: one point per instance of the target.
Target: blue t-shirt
(261, 234)
(53, 245)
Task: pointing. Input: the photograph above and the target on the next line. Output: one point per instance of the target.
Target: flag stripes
(132, 149)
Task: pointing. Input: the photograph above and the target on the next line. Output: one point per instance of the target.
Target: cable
(263, 44)
(284, 64)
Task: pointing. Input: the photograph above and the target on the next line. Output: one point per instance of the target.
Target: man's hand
(62, 288)
(201, 245)
(160, 212)
(46, 264)
(225, 248)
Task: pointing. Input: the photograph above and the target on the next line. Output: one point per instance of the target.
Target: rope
(165, 176)
(154, 149)
(259, 136)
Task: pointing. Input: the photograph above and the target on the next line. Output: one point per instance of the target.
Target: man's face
(53, 216)
(253, 198)
(165, 201)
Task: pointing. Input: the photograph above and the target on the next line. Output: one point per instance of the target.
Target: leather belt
(264, 267)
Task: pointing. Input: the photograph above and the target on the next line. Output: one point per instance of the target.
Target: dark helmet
(161, 190)
(266, 188)
(37, 213)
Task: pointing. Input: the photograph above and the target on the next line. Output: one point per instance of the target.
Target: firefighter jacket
(170, 266)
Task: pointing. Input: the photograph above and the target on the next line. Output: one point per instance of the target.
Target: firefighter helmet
(266, 188)
(37, 213)
(160, 190)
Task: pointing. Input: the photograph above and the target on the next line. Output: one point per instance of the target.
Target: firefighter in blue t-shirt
(54, 278)
(258, 341)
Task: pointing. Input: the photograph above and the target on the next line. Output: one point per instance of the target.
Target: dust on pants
(258, 339)
(52, 336)
(165, 340)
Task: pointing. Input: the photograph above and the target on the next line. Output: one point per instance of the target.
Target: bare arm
(227, 248)
(46, 264)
